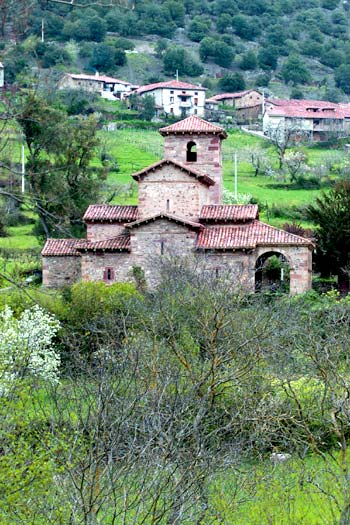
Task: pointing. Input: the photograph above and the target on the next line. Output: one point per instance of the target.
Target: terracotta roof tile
(61, 247)
(247, 236)
(119, 243)
(226, 96)
(229, 212)
(169, 217)
(172, 84)
(110, 213)
(195, 173)
(193, 124)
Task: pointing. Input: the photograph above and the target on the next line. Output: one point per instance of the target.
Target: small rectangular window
(196, 101)
(108, 275)
(167, 205)
(171, 99)
(171, 92)
(162, 247)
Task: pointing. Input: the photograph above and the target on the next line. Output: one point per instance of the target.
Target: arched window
(191, 152)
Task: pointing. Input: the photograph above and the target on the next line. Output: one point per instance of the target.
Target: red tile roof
(229, 212)
(191, 125)
(110, 213)
(247, 236)
(61, 247)
(169, 217)
(119, 243)
(98, 78)
(194, 173)
(171, 84)
(225, 96)
(306, 109)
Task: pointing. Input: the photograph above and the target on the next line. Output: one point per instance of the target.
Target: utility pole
(236, 184)
(23, 170)
(177, 75)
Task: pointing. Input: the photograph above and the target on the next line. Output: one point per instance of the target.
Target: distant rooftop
(172, 84)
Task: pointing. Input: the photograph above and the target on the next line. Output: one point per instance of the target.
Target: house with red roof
(248, 104)
(174, 97)
(315, 119)
(180, 214)
(108, 87)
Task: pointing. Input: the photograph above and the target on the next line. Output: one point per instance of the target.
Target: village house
(248, 104)
(316, 120)
(179, 214)
(108, 87)
(174, 97)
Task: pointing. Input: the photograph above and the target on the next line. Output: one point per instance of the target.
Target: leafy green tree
(177, 11)
(160, 47)
(342, 78)
(262, 80)
(198, 28)
(231, 82)
(207, 48)
(332, 58)
(245, 27)
(177, 58)
(223, 22)
(331, 214)
(148, 107)
(61, 182)
(296, 93)
(248, 61)
(105, 57)
(295, 71)
(267, 57)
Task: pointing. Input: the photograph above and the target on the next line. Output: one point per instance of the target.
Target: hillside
(289, 47)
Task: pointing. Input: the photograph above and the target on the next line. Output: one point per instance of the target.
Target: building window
(196, 101)
(195, 111)
(172, 111)
(196, 92)
(217, 273)
(191, 152)
(171, 99)
(161, 247)
(108, 275)
(171, 92)
(167, 205)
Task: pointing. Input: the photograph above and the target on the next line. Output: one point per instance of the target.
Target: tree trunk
(343, 283)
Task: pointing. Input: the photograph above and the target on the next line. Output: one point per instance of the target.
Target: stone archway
(272, 273)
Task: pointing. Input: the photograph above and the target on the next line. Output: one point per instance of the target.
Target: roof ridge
(161, 215)
(198, 174)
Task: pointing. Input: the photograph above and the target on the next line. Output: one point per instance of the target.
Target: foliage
(331, 214)
(26, 346)
(294, 70)
(178, 59)
(231, 82)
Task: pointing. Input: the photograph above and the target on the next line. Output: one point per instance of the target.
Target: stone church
(180, 214)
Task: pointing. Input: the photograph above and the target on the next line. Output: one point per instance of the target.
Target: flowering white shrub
(26, 345)
(228, 197)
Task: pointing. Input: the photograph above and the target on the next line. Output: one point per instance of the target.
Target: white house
(175, 98)
(108, 87)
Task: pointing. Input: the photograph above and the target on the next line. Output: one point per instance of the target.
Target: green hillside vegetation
(290, 42)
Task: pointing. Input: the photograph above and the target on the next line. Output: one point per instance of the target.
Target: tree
(231, 82)
(294, 70)
(148, 108)
(177, 58)
(60, 180)
(331, 214)
(198, 28)
(248, 61)
(342, 78)
(267, 57)
(283, 137)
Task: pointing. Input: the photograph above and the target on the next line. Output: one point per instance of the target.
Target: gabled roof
(226, 96)
(204, 179)
(98, 78)
(193, 125)
(62, 247)
(229, 212)
(171, 84)
(110, 213)
(247, 236)
(120, 243)
(172, 218)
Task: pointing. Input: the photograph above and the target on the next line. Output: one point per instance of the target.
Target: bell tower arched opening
(191, 152)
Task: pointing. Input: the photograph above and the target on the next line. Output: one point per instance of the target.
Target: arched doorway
(272, 273)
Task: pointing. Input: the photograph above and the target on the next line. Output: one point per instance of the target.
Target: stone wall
(209, 158)
(93, 265)
(61, 271)
(170, 190)
(152, 243)
(235, 266)
(300, 262)
(99, 231)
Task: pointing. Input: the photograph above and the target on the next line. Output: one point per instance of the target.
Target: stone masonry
(179, 214)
